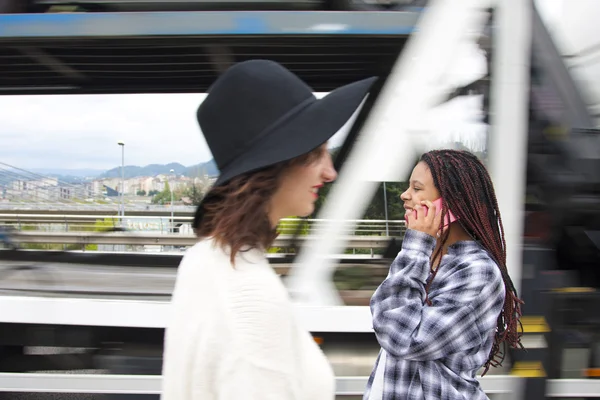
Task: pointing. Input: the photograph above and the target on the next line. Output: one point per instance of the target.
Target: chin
(306, 212)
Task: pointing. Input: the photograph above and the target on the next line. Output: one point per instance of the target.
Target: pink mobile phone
(450, 217)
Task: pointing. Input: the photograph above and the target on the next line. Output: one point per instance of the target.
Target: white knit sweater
(233, 334)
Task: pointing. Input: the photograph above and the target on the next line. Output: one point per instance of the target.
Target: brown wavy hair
(236, 214)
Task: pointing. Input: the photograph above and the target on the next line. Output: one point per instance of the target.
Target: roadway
(117, 281)
(61, 280)
(81, 280)
(77, 280)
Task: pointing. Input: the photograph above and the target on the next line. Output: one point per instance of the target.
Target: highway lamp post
(385, 208)
(122, 213)
(172, 216)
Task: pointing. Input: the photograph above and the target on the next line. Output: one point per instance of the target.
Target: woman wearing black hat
(233, 332)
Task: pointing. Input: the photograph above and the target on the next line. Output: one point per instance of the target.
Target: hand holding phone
(420, 218)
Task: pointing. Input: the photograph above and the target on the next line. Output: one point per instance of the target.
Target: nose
(404, 195)
(329, 172)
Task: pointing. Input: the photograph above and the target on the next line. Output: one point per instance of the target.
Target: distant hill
(77, 176)
(132, 171)
(208, 168)
(81, 173)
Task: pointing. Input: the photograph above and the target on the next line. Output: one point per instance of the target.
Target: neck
(274, 222)
(456, 234)
(274, 218)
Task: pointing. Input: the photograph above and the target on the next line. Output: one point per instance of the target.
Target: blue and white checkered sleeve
(408, 328)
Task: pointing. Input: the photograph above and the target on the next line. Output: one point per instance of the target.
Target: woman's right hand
(430, 223)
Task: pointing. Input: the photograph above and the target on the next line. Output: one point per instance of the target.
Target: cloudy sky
(74, 132)
(82, 131)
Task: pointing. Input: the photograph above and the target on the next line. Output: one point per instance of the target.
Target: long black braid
(466, 188)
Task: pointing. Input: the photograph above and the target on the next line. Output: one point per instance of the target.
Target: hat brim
(304, 132)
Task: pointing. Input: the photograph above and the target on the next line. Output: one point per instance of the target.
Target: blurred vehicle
(6, 239)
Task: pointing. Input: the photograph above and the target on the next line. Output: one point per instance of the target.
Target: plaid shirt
(434, 352)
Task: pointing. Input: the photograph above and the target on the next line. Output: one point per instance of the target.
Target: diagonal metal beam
(390, 139)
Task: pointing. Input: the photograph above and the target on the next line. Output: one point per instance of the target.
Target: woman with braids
(448, 303)
(233, 334)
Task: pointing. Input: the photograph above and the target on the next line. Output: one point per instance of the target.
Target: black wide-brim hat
(258, 114)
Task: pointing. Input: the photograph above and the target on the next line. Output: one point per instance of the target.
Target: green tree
(141, 193)
(395, 209)
(376, 208)
(164, 196)
(194, 193)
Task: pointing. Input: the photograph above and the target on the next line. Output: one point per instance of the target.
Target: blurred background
(102, 164)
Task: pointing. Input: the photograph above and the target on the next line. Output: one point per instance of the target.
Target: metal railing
(86, 223)
(119, 238)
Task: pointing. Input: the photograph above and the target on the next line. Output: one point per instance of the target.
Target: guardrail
(86, 222)
(118, 238)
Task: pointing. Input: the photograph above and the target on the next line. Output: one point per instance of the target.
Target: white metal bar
(509, 121)
(80, 383)
(573, 388)
(350, 385)
(269, 256)
(155, 314)
(385, 148)
(345, 385)
(501, 384)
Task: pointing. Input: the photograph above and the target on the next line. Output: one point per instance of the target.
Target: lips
(315, 190)
(408, 211)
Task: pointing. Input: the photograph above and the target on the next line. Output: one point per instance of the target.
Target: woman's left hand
(429, 223)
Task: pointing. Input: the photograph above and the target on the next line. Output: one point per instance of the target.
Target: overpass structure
(184, 52)
(530, 96)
